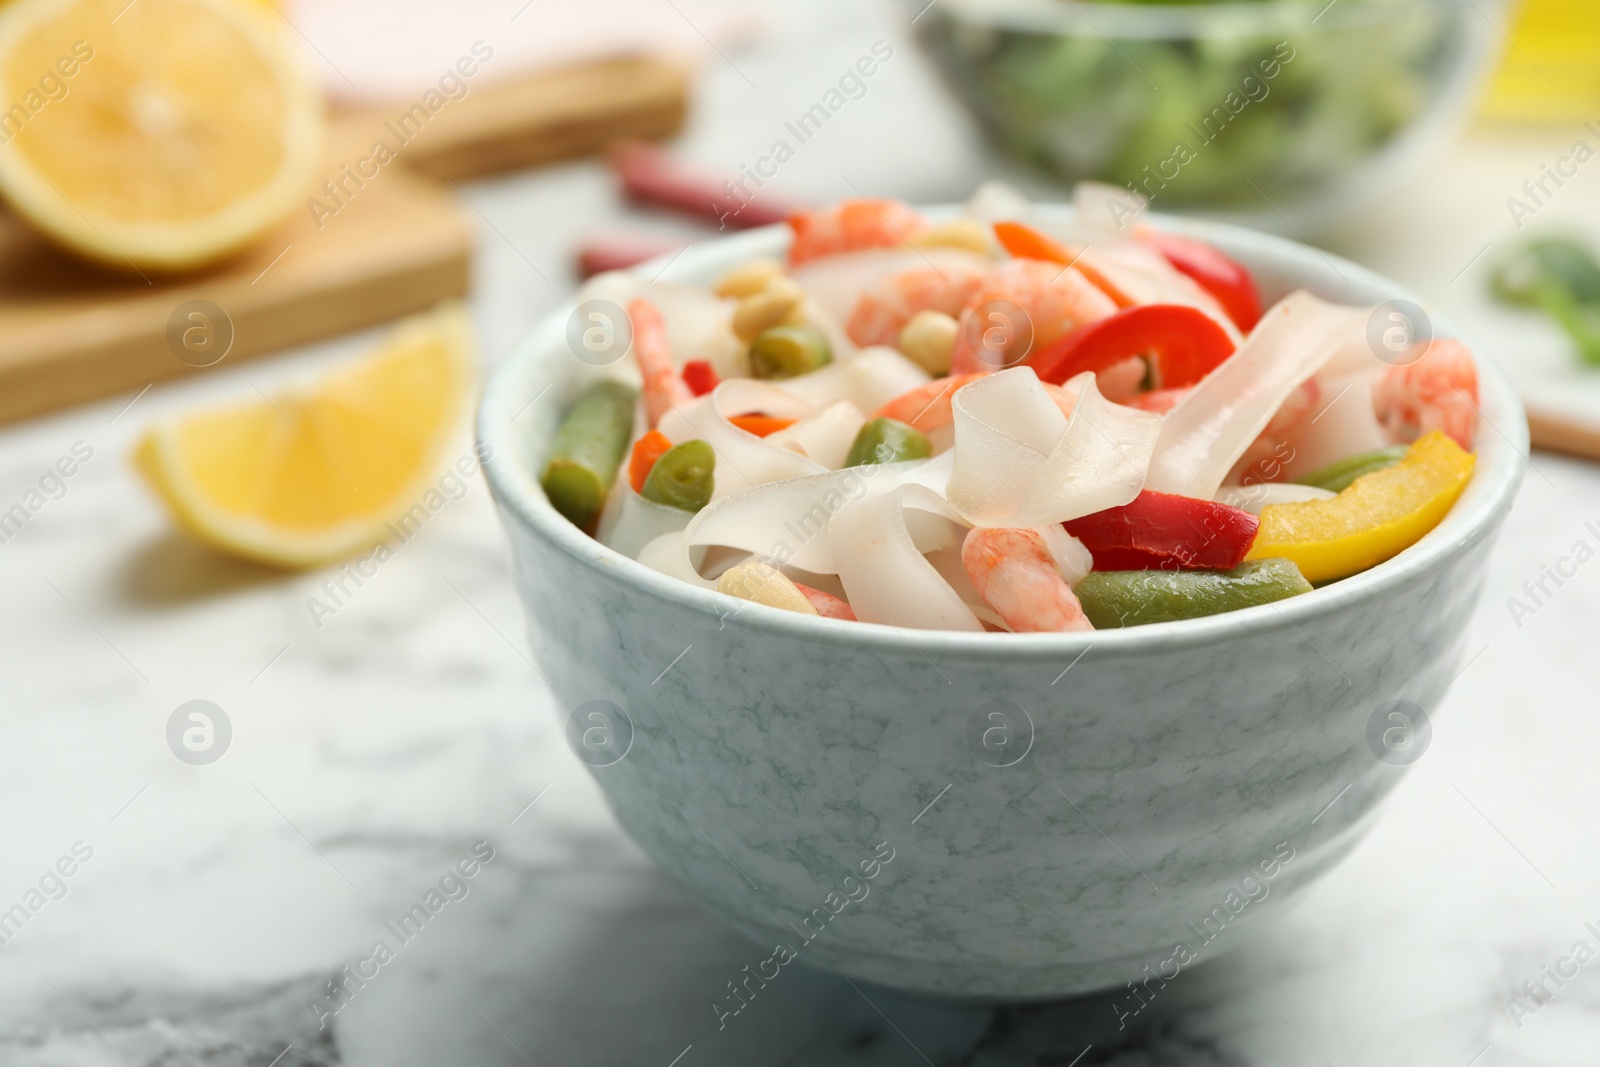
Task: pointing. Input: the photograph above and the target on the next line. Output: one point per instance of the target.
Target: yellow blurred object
(1551, 72)
(156, 134)
(315, 474)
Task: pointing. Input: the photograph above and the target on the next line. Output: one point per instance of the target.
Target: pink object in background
(380, 50)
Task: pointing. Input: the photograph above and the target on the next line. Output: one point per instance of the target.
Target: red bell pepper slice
(700, 377)
(1223, 278)
(1185, 343)
(1161, 531)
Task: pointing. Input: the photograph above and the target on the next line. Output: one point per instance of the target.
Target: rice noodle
(879, 544)
(743, 459)
(1018, 461)
(1210, 428)
(874, 377)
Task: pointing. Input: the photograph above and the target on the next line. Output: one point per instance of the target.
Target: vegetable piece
(748, 278)
(788, 352)
(1025, 242)
(773, 305)
(1163, 531)
(1378, 516)
(1183, 342)
(827, 605)
(761, 425)
(1136, 598)
(1336, 477)
(1214, 272)
(887, 441)
(699, 376)
(683, 477)
(651, 176)
(646, 450)
(1559, 277)
(663, 388)
(588, 450)
(927, 339)
(762, 583)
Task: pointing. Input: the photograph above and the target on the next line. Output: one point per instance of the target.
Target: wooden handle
(1562, 433)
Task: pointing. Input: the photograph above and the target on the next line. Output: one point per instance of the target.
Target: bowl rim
(1156, 21)
(1502, 456)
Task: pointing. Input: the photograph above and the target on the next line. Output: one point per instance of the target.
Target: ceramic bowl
(998, 816)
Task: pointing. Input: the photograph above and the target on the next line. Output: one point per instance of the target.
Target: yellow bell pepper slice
(1376, 517)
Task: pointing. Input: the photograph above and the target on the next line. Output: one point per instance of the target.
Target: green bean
(587, 451)
(1336, 477)
(1134, 598)
(683, 477)
(788, 351)
(887, 441)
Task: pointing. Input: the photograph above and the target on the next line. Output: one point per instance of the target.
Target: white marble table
(370, 754)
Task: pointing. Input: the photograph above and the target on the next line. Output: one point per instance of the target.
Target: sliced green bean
(1113, 599)
(788, 351)
(587, 451)
(1336, 477)
(887, 441)
(683, 477)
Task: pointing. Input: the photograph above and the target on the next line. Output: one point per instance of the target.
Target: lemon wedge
(154, 134)
(314, 475)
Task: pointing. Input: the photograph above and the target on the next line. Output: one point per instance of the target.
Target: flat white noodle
(1111, 208)
(997, 201)
(831, 326)
(825, 436)
(882, 565)
(743, 460)
(1206, 433)
(874, 377)
(671, 555)
(837, 282)
(634, 522)
(1344, 425)
(1253, 498)
(1018, 461)
(1072, 556)
(786, 523)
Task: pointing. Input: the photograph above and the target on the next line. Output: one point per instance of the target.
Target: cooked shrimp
(1120, 382)
(1438, 391)
(1053, 299)
(827, 605)
(664, 388)
(1160, 401)
(851, 225)
(1269, 454)
(1014, 573)
(927, 407)
(889, 303)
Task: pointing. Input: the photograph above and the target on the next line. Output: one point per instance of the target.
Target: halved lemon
(158, 134)
(313, 475)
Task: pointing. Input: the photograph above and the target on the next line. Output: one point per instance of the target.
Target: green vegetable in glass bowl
(1221, 105)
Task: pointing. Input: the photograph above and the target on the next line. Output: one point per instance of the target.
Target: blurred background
(220, 209)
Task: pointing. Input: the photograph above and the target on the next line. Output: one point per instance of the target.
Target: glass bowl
(1283, 110)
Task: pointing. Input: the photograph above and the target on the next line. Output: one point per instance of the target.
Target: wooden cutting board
(71, 332)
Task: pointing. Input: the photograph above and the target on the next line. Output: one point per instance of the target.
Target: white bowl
(1163, 781)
